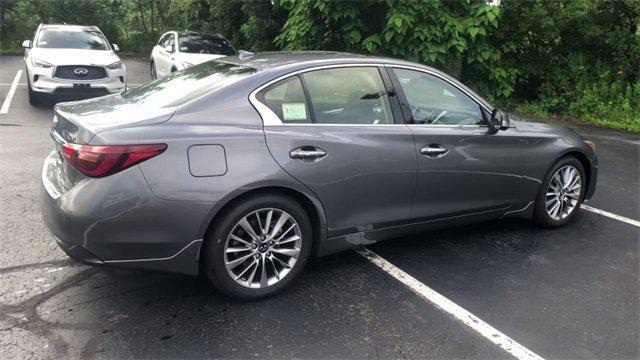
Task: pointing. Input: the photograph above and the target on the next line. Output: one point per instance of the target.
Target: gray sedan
(243, 168)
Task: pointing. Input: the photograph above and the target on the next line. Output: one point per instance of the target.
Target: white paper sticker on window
(294, 111)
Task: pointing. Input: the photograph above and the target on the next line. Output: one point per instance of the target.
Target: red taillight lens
(103, 160)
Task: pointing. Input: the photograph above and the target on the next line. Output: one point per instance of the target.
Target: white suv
(72, 61)
(177, 50)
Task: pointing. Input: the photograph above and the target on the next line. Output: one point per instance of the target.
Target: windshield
(72, 39)
(205, 44)
(182, 86)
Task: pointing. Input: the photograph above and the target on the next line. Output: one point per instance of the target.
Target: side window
(286, 99)
(171, 40)
(350, 95)
(434, 101)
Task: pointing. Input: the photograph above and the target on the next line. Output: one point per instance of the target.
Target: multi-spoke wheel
(262, 248)
(258, 246)
(561, 193)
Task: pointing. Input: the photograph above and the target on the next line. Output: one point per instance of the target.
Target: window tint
(72, 39)
(205, 44)
(434, 101)
(351, 95)
(286, 99)
(163, 40)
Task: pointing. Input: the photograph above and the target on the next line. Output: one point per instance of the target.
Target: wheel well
(586, 165)
(299, 197)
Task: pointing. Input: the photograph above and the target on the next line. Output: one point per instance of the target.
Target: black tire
(152, 71)
(214, 257)
(35, 99)
(540, 214)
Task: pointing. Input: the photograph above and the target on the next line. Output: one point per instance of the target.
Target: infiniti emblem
(80, 71)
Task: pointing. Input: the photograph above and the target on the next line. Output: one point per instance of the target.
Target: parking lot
(566, 293)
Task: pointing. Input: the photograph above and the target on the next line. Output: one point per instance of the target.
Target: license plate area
(81, 86)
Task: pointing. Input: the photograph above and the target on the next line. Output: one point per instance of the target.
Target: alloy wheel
(262, 248)
(563, 193)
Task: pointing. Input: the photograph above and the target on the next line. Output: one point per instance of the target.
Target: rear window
(205, 44)
(182, 86)
(72, 39)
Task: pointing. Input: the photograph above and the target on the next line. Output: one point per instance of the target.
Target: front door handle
(307, 153)
(434, 150)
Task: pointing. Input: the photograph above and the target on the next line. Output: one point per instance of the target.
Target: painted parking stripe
(487, 331)
(12, 90)
(611, 215)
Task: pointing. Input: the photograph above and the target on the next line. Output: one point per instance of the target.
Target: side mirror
(494, 122)
(169, 48)
(26, 44)
(115, 47)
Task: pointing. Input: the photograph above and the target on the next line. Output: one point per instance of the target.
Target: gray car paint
(156, 215)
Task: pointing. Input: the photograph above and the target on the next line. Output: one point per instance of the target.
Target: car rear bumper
(117, 221)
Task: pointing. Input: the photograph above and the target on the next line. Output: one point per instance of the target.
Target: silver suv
(71, 62)
(242, 168)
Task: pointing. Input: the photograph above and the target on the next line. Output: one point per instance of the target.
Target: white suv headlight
(40, 63)
(116, 65)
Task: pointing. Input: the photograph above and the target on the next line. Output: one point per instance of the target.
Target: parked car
(243, 167)
(177, 50)
(71, 62)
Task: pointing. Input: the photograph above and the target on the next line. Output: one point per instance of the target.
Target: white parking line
(487, 331)
(12, 90)
(611, 215)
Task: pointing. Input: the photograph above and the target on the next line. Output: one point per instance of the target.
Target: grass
(608, 116)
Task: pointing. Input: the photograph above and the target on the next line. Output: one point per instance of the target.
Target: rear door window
(287, 100)
(349, 95)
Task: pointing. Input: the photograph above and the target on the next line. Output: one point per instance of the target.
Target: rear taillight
(103, 160)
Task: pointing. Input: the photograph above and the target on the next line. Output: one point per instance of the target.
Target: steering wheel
(420, 115)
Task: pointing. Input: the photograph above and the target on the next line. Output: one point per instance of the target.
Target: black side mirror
(494, 122)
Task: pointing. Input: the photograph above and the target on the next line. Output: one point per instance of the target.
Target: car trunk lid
(78, 121)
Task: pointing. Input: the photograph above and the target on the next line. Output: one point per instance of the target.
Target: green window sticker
(294, 111)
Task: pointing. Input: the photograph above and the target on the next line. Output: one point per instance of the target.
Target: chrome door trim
(269, 118)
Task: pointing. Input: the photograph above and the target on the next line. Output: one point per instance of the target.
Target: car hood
(195, 59)
(89, 117)
(531, 124)
(74, 56)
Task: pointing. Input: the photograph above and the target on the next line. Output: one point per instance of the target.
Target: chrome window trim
(269, 118)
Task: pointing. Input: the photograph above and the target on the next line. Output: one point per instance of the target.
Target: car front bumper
(42, 81)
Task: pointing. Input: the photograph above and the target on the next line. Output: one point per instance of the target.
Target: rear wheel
(561, 193)
(258, 247)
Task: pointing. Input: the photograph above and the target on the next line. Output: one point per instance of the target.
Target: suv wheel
(34, 98)
(258, 247)
(561, 193)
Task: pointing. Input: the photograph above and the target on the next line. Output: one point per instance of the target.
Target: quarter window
(434, 101)
(287, 100)
(350, 95)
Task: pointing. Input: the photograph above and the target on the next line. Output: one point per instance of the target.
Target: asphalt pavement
(566, 293)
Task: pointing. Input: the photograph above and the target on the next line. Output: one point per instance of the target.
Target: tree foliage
(554, 53)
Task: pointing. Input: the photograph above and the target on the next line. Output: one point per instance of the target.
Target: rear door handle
(307, 153)
(434, 150)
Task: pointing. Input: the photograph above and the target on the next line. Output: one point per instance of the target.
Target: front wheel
(34, 98)
(152, 70)
(258, 247)
(561, 193)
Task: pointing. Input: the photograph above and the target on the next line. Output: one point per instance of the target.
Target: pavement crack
(45, 264)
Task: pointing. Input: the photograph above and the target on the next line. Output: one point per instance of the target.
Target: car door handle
(434, 150)
(307, 153)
